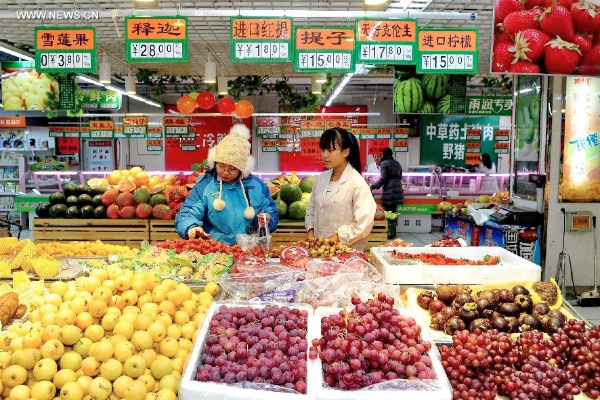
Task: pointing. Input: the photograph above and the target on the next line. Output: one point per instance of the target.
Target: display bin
(511, 267)
(161, 229)
(125, 232)
(292, 231)
(191, 389)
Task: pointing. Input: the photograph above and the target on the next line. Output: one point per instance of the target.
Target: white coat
(348, 210)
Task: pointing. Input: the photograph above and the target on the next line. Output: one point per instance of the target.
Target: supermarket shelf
(8, 194)
(9, 179)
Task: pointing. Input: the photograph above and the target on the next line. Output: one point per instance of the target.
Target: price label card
(155, 132)
(401, 133)
(176, 126)
(473, 134)
(270, 145)
(154, 145)
(390, 42)
(310, 147)
(401, 145)
(65, 49)
(312, 128)
(156, 39)
(502, 135)
(327, 49)
(473, 147)
(135, 126)
(501, 147)
(447, 51)
(57, 131)
(261, 39)
(101, 129)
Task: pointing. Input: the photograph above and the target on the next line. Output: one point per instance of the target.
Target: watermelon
(408, 96)
(435, 86)
(443, 106)
(281, 207)
(307, 183)
(290, 193)
(297, 210)
(427, 108)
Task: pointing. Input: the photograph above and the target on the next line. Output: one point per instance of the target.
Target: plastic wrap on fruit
(245, 263)
(347, 255)
(256, 281)
(365, 291)
(321, 291)
(296, 256)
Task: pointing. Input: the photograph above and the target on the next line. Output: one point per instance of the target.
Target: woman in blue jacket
(227, 199)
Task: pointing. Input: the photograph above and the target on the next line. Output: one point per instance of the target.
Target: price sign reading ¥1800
(156, 39)
(328, 49)
(447, 51)
(261, 39)
(65, 49)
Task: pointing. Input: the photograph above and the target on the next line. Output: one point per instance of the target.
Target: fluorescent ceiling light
(340, 86)
(13, 51)
(222, 85)
(89, 80)
(145, 3)
(319, 77)
(210, 71)
(145, 100)
(316, 88)
(115, 89)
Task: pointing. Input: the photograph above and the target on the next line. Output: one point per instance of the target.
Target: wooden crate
(128, 232)
(292, 231)
(161, 230)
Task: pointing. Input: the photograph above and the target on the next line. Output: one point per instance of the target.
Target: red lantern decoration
(226, 105)
(186, 105)
(205, 100)
(244, 109)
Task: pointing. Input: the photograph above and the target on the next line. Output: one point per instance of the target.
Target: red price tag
(376, 146)
(310, 147)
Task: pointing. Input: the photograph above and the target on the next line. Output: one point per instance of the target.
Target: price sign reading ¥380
(261, 39)
(447, 51)
(156, 39)
(65, 49)
(386, 41)
(324, 49)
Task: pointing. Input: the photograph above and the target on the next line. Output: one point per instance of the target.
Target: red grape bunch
(261, 345)
(369, 344)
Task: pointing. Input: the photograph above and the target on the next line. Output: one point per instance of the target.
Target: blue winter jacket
(198, 209)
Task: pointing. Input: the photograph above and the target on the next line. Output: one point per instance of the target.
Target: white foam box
(191, 389)
(425, 389)
(414, 223)
(510, 269)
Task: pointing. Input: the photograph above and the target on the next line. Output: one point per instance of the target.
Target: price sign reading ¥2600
(447, 51)
(65, 49)
(156, 39)
(135, 127)
(329, 49)
(386, 41)
(261, 39)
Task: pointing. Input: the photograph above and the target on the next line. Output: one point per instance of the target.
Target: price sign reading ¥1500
(65, 49)
(261, 39)
(328, 49)
(447, 51)
(156, 39)
(386, 41)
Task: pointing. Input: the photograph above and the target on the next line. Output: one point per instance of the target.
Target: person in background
(391, 180)
(489, 184)
(227, 199)
(341, 207)
(374, 168)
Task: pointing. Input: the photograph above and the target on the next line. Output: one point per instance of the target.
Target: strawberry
(556, 21)
(585, 17)
(584, 42)
(529, 4)
(530, 45)
(521, 20)
(503, 57)
(502, 37)
(565, 3)
(505, 7)
(561, 57)
(596, 39)
(524, 67)
(591, 62)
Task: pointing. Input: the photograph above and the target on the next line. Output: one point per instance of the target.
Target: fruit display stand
(162, 229)
(293, 231)
(127, 232)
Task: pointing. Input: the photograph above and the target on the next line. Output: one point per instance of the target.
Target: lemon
(212, 288)
(204, 299)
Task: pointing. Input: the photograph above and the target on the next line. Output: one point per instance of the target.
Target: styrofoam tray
(511, 267)
(191, 389)
(440, 388)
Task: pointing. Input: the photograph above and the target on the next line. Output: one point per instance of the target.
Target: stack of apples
(116, 334)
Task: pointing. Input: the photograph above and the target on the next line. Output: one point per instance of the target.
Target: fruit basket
(414, 389)
(191, 388)
(509, 268)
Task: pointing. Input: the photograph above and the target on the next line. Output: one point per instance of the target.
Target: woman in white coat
(341, 207)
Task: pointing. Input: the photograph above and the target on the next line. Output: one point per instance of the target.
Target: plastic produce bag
(365, 291)
(321, 268)
(259, 280)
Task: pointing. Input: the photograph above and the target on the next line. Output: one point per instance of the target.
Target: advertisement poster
(428, 93)
(448, 140)
(25, 89)
(581, 157)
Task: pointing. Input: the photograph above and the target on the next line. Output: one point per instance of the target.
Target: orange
(114, 177)
(135, 170)
(154, 180)
(169, 179)
(141, 178)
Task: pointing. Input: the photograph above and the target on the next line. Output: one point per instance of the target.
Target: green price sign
(261, 39)
(325, 49)
(389, 42)
(65, 49)
(447, 51)
(156, 39)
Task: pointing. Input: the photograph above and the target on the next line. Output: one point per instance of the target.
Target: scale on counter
(517, 216)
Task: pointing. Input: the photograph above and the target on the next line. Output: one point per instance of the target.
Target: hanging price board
(155, 132)
(71, 131)
(118, 133)
(376, 146)
(135, 127)
(156, 39)
(501, 147)
(328, 49)
(312, 128)
(502, 135)
(65, 49)
(339, 123)
(154, 145)
(176, 126)
(268, 127)
(447, 51)
(473, 147)
(57, 131)
(309, 147)
(188, 144)
(473, 134)
(389, 42)
(101, 129)
(401, 133)
(12, 122)
(84, 132)
(261, 39)
(401, 145)
(269, 145)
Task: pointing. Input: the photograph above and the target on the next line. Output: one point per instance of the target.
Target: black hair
(339, 138)
(387, 153)
(486, 160)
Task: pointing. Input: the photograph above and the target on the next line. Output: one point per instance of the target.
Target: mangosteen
(483, 304)
(436, 306)
(489, 314)
(462, 299)
(509, 309)
(448, 312)
(480, 323)
(438, 321)
(551, 324)
(424, 299)
(523, 301)
(513, 324)
(556, 314)
(500, 323)
(540, 308)
(528, 322)
(505, 296)
(489, 295)
(468, 312)
(446, 293)
(519, 290)
(454, 324)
